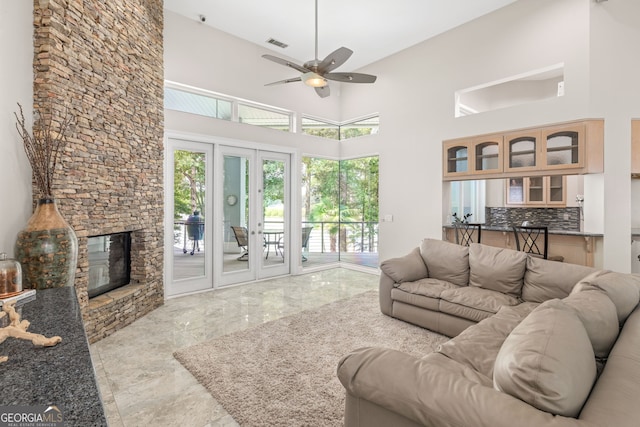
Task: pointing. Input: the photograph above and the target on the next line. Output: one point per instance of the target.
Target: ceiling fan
(316, 73)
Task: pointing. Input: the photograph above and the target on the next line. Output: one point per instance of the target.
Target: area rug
(283, 373)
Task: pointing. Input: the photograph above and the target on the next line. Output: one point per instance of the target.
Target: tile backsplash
(555, 218)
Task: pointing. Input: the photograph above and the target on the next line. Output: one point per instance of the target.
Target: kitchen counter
(62, 375)
(551, 231)
(576, 247)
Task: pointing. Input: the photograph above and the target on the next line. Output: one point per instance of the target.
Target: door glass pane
(189, 203)
(487, 156)
(235, 213)
(457, 159)
(556, 190)
(562, 148)
(273, 209)
(522, 152)
(516, 190)
(536, 189)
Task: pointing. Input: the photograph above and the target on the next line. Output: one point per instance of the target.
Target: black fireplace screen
(109, 262)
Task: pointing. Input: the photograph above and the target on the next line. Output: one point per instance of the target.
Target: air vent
(277, 43)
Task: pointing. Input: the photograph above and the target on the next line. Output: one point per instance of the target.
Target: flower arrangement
(463, 220)
(43, 148)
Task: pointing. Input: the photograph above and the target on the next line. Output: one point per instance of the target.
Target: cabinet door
(522, 151)
(563, 147)
(487, 155)
(456, 158)
(535, 190)
(515, 191)
(556, 189)
(635, 148)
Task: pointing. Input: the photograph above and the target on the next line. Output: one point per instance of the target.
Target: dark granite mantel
(62, 375)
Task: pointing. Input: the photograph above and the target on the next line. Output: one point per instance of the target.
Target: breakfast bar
(577, 247)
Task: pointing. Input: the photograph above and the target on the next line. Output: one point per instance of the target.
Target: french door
(228, 215)
(255, 195)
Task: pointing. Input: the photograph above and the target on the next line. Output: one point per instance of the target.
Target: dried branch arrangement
(18, 329)
(43, 148)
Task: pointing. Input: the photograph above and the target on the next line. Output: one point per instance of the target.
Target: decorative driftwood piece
(18, 329)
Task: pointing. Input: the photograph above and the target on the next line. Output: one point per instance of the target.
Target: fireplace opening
(109, 262)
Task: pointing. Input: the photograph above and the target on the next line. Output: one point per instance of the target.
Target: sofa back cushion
(622, 289)
(546, 279)
(547, 361)
(408, 268)
(496, 269)
(446, 261)
(599, 317)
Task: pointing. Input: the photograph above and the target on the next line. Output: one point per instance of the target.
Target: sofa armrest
(407, 268)
(436, 391)
(384, 293)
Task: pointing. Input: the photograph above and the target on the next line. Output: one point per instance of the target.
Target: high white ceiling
(373, 29)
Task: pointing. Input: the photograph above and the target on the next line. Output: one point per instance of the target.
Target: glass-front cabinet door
(522, 151)
(564, 147)
(487, 153)
(456, 158)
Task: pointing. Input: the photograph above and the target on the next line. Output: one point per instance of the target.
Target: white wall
(414, 94)
(16, 85)
(615, 91)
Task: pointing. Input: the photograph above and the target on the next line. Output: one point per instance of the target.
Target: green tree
(188, 182)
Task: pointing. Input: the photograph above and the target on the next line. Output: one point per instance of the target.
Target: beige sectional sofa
(535, 343)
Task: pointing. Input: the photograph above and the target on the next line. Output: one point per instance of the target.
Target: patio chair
(306, 233)
(242, 238)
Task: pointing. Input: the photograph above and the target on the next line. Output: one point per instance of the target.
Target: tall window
(468, 197)
(340, 202)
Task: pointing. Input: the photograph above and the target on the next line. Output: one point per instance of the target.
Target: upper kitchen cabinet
(472, 156)
(635, 148)
(564, 149)
(523, 151)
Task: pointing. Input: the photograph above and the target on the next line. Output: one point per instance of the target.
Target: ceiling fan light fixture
(314, 80)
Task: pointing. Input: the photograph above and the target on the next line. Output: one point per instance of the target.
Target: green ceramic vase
(47, 249)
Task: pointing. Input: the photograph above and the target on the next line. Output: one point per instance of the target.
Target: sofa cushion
(496, 269)
(478, 345)
(428, 287)
(622, 289)
(474, 303)
(446, 261)
(547, 361)
(546, 279)
(599, 317)
(405, 269)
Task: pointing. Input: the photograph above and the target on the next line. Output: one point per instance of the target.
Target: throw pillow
(497, 269)
(547, 361)
(446, 261)
(408, 268)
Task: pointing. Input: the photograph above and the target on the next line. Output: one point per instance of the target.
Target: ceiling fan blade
(323, 92)
(291, 80)
(334, 60)
(350, 77)
(286, 63)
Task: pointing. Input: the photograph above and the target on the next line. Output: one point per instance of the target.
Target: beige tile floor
(143, 385)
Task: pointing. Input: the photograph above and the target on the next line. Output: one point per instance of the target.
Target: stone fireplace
(102, 62)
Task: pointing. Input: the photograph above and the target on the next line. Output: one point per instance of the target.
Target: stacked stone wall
(102, 62)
